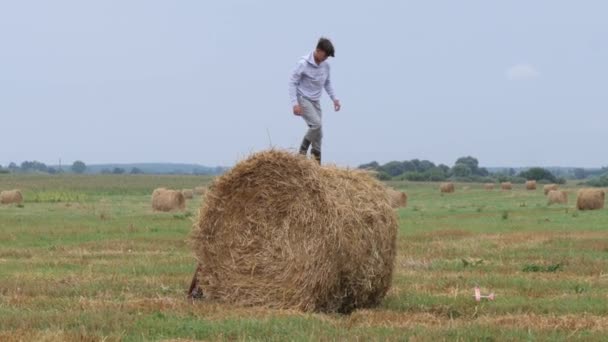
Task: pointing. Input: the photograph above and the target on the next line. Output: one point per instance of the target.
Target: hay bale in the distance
(549, 187)
(590, 199)
(200, 190)
(280, 231)
(447, 188)
(531, 185)
(168, 200)
(11, 197)
(506, 186)
(557, 197)
(188, 193)
(488, 186)
(398, 198)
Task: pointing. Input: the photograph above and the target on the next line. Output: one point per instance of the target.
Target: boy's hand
(337, 105)
(297, 110)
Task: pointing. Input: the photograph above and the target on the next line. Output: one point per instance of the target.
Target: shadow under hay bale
(279, 231)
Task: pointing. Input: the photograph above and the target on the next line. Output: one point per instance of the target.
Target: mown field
(85, 258)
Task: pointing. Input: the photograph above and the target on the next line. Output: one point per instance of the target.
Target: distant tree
(469, 161)
(13, 167)
(383, 176)
(538, 173)
(461, 170)
(136, 171)
(473, 165)
(580, 173)
(436, 174)
(501, 177)
(118, 171)
(445, 168)
(416, 164)
(482, 171)
(393, 168)
(52, 170)
(79, 167)
(596, 172)
(28, 166)
(409, 166)
(416, 176)
(425, 165)
(601, 181)
(373, 165)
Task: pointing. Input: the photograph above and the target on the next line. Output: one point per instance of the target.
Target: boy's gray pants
(312, 115)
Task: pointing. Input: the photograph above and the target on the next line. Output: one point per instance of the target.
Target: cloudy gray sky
(519, 83)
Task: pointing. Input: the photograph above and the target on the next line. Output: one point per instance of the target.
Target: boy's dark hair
(326, 46)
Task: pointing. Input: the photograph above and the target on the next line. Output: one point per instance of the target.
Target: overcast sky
(520, 83)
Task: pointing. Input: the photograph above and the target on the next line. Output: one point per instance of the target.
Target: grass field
(85, 258)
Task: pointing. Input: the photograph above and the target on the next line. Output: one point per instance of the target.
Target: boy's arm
(330, 91)
(294, 80)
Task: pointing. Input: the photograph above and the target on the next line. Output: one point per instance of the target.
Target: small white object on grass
(478, 296)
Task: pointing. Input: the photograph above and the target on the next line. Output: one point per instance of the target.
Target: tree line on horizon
(79, 167)
(467, 169)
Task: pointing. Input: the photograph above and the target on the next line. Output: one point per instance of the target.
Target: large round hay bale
(531, 185)
(280, 231)
(549, 187)
(447, 187)
(168, 200)
(11, 196)
(506, 186)
(557, 197)
(188, 193)
(200, 190)
(488, 186)
(590, 199)
(398, 198)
